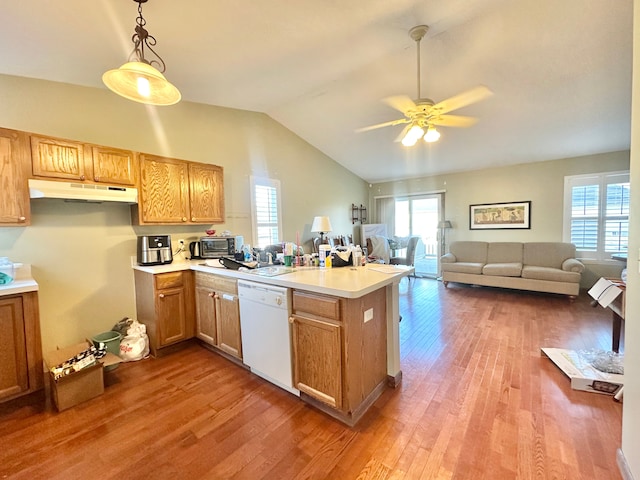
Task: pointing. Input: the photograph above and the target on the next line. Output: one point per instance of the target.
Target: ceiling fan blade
(463, 99)
(402, 133)
(385, 124)
(453, 121)
(401, 103)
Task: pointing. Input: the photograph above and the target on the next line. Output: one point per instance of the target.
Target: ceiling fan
(423, 114)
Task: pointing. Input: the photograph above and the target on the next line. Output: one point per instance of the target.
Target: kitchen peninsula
(344, 323)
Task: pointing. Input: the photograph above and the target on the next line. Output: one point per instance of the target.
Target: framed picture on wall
(497, 216)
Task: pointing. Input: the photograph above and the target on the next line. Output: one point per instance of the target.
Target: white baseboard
(623, 466)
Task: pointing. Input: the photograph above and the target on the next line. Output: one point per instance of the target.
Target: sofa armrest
(448, 258)
(573, 265)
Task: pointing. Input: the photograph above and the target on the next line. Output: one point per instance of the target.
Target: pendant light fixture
(141, 79)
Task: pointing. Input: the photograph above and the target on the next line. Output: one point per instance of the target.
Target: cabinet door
(317, 364)
(57, 158)
(14, 370)
(114, 166)
(205, 314)
(164, 190)
(228, 323)
(206, 193)
(14, 191)
(171, 313)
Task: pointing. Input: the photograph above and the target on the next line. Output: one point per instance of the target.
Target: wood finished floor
(477, 401)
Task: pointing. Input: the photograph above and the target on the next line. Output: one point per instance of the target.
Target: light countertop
(347, 282)
(22, 283)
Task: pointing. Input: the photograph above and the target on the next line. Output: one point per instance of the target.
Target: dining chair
(409, 259)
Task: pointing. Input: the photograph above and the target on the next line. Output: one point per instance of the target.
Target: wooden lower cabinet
(205, 308)
(164, 303)
(318, 359)
(218, 313)
(340, 351)
(20, 346)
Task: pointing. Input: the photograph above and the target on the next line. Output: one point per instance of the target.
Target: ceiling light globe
(432, 135)
(412, 136)
(141, 83)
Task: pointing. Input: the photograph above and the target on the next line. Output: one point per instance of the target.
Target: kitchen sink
(271, 271)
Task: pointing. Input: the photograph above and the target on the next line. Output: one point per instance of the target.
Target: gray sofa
(538, 266)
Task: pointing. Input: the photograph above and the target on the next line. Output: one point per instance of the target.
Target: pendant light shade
(142, 79)
(141, 83)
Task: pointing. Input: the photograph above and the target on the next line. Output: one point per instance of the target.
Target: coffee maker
(154, 250)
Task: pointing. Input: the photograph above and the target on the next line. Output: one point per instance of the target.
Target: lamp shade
(444, 224)
(321, 225)
(140, 82)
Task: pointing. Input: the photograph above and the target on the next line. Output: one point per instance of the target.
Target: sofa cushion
(462, 267)
(504, 252)
(502, 269)
(548, 254)
(548, 273)
(469, 252)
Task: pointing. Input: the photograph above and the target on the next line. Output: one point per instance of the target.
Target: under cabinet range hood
(82, 192)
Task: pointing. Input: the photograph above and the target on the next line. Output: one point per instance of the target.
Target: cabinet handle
(291, 319)
(96, 179)
(82, 177)
(193, 219)
(216, 296)
(212, 295)
(22, 219)
(161, 295)
(184, 219)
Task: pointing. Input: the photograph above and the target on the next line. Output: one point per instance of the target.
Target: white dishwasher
(266, 337)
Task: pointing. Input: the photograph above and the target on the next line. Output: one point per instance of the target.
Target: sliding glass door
(419, 215)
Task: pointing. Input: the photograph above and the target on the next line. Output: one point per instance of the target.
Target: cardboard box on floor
(79, 386)
(584, 376)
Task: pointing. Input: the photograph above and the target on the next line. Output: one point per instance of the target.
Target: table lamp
(321, 225)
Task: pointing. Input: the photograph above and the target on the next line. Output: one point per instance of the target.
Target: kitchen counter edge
(343, 282)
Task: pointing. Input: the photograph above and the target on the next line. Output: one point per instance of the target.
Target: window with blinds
(266, 217)
(597, 214)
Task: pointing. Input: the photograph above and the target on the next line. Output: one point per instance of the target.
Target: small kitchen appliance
(217, 247)
(194, 250)
(154, 250)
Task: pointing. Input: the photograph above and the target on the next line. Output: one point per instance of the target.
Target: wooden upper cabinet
(14, 191)
(206, 193)
(164, 190)
(113, 166)
(178, 192)
(69, 160)
(56, 158)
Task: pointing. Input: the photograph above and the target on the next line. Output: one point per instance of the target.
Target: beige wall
(542, 183)
(80, 253)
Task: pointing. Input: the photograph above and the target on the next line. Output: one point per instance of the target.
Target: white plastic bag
(135, 346)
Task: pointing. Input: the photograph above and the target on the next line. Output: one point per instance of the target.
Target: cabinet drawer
(216, 283)
(226, 285)
(168, 280)
(205, 280)
(322, 306)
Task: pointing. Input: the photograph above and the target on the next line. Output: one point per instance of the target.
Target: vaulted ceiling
(560, 71)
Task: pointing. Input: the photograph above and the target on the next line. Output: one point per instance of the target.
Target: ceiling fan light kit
(423, 114)
(142, 80)
(432, 135)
